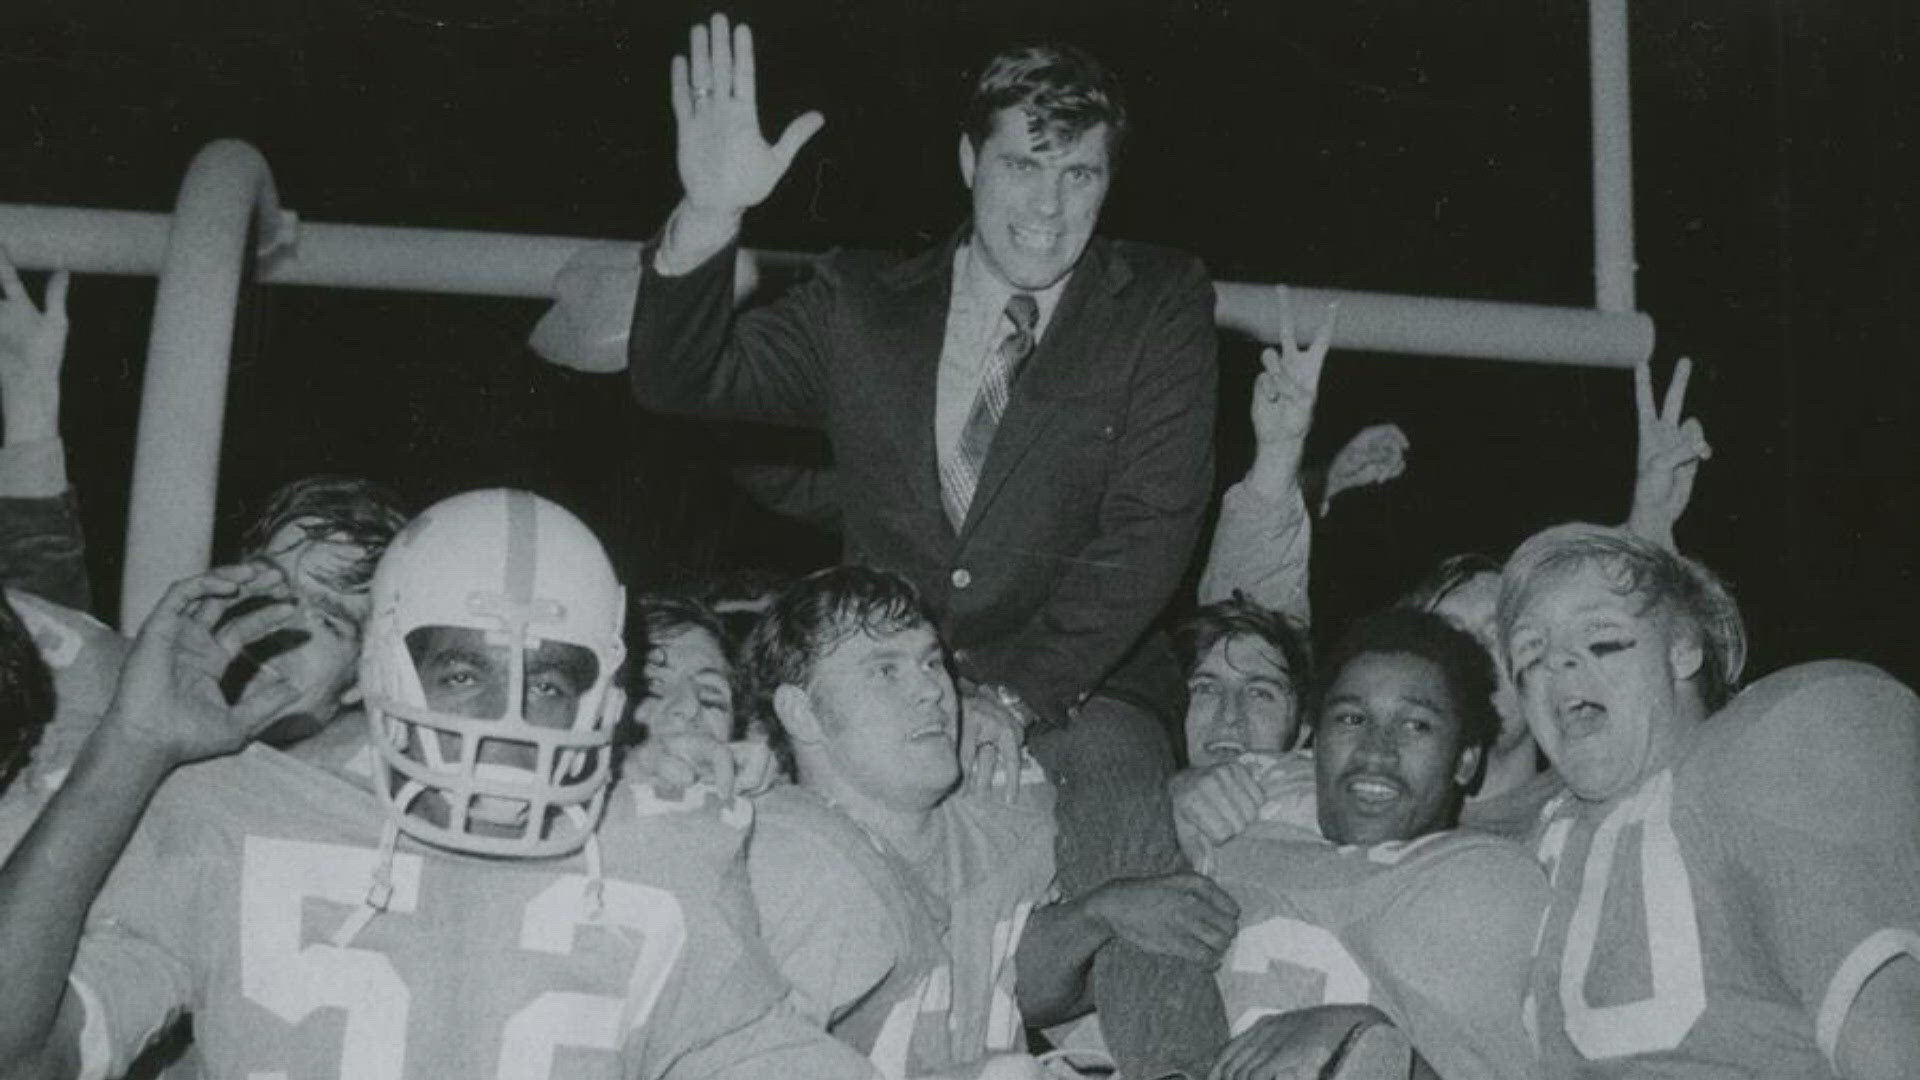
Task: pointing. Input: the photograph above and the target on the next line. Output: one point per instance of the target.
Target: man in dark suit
(1022, 423)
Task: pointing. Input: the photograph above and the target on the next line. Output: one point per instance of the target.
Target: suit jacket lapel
(1069, 355)
(909, 346)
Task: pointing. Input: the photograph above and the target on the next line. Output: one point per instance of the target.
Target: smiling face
(1390, 758)
(1239, 699)
(887, 716)
(1035, 198)
(689, 686)
(1600, 680)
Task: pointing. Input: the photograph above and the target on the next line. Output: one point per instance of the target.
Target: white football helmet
(515, 577)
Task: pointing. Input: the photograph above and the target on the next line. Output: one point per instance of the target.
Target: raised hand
(1284, 393)
(1375, 455)
(1669, 454)
(726, 165)
(33, 343)
(169, 695)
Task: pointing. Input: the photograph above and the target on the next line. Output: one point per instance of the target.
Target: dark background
(1412, 147)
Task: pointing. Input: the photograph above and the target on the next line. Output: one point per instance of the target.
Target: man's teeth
(1038, 239)
(1374, 790)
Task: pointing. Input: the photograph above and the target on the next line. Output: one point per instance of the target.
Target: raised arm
(726, 165)
(686, 352)
(1668, 454)
(169, 710)
(1263, 539)
(41, 548)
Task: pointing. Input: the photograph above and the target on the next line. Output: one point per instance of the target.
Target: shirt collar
(977, 286)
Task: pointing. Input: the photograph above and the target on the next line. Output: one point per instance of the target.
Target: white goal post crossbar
(228, 197)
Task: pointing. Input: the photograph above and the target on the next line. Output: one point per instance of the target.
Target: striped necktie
(960, 474)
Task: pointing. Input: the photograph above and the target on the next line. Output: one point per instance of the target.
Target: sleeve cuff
(1879, 949)
(34, 470)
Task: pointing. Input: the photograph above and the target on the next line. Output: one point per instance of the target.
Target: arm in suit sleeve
(1149, 519)
(689, 353)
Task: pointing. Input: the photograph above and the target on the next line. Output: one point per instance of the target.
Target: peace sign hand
(1669, 454)
(1284, 393)
(33, 343)
(726, 165)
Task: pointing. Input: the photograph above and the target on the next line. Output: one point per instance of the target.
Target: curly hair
(340, 509)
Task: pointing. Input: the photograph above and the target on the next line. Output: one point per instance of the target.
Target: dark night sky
(1425, 148)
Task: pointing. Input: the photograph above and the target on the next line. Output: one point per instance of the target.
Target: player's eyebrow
(1425, 702)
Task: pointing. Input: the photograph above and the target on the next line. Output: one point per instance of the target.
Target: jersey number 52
(292, 979)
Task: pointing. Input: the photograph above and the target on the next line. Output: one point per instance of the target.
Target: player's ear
(1467, 767)
(795, 710)
(967, 160)
(1685, 656)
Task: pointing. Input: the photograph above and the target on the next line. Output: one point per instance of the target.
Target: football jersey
(1435, 932)
(231, 900)
(1719, 919)
(84, 656)
(913, 967)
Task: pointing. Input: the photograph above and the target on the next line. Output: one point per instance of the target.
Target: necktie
(960, 474)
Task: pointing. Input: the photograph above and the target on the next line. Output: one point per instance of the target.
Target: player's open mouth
(1225, 748)
(1579, 717)
(1373, 790)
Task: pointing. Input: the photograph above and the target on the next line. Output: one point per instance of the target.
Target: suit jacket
(1090, 500)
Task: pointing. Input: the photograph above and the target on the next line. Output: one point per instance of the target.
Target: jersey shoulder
(997, 843)
(803, 847)
(1794, 745)
(1467, 874)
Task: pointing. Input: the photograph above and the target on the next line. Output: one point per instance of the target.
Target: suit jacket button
(961, 578)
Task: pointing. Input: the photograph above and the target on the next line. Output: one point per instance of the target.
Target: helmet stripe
(523, 542)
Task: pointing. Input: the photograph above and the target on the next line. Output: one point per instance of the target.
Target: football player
(1736, 885)
(903, 909)
(453, 889)
(1387, 940)
(324, 535)
(1247, 673)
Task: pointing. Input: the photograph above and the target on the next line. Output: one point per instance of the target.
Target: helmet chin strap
(380, 883)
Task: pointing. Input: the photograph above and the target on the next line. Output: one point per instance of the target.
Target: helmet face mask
(490, 673)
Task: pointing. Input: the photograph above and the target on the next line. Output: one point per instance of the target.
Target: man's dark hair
(1064, 90)
(808, 619)
(656, 618)
(1241, 617)
(1451, 573)
(1463, 663)
(332, 508)
(26, 692)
